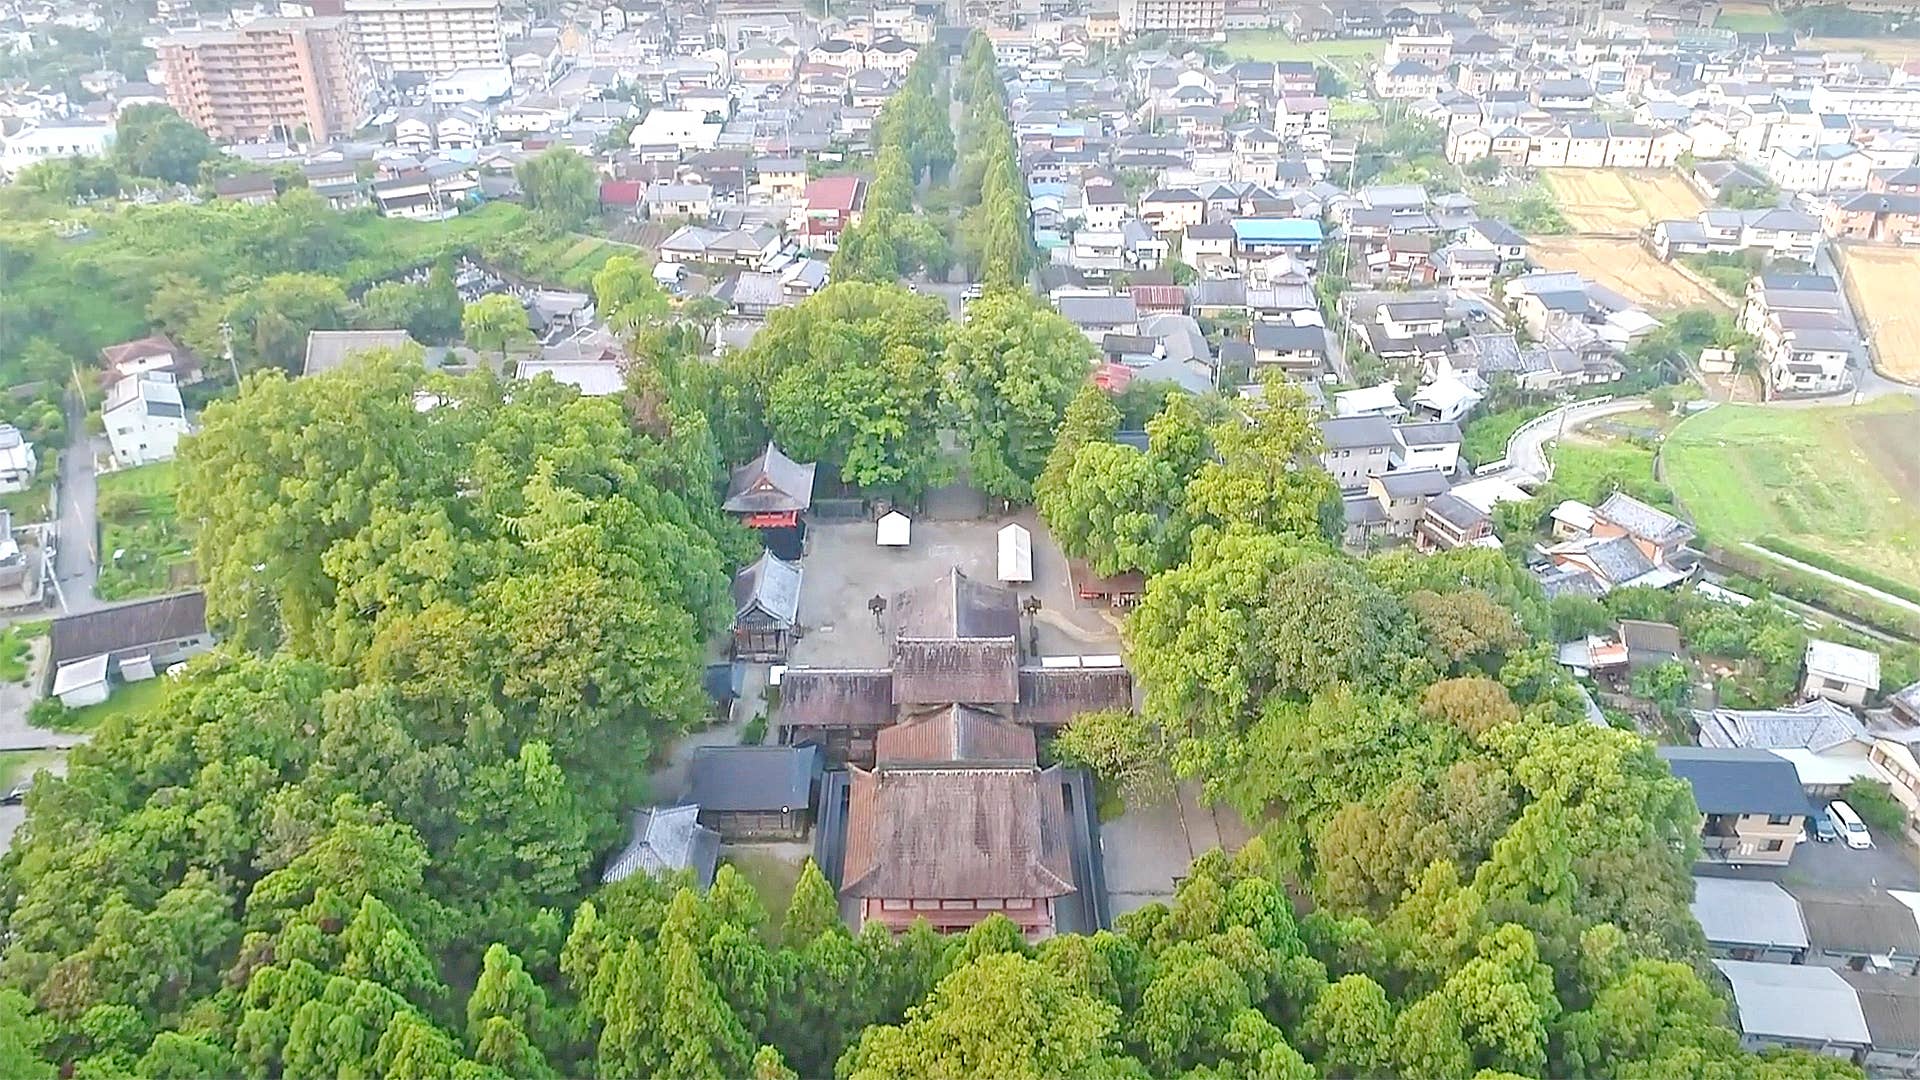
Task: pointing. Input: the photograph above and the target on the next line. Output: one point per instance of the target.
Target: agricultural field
(1883, 282)
(1749, 17)
(1841, 482)
(1887, 50)
(1351, 55)
(1625, 267)
(1618, 201)
(144, 549)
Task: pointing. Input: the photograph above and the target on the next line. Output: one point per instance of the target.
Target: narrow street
(76, 562)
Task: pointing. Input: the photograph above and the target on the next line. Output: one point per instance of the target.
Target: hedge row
(1870, 578)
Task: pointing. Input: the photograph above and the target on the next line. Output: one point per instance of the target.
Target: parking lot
(1891, 863)
(845, 569)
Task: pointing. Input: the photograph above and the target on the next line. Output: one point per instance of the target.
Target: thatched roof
(957, 834)
(942, 671)
(835, 698)
(955, 735)
(1050, 697)
(956, 606)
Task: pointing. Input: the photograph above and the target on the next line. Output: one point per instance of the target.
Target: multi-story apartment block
(1196, 19)
(433, 36)
(272, 78)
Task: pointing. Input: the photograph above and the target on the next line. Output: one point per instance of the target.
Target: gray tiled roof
(1737, 781)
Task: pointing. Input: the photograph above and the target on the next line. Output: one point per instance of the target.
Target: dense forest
(359, 838)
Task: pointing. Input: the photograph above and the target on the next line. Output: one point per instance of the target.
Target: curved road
(1527, 448)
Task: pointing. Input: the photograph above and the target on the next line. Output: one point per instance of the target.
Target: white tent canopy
(895, 530)
(1016, 554)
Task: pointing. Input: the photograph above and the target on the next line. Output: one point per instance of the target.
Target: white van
(1849, 825)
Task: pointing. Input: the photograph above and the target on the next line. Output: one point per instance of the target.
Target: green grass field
(1840, 481)
(127, 698)
(1486, 435)
(1592, 471)
(1349, 55)
(1750, 22)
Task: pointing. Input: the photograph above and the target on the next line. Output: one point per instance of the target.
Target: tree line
(913, 141)
(996, 236)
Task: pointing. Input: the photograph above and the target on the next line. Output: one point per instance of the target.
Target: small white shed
(894, 530)
(82, 682)
(1016, 554)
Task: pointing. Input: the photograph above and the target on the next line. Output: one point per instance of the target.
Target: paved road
(1527, 449)
(75, 558)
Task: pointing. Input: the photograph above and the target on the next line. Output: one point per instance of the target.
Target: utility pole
(226, 346)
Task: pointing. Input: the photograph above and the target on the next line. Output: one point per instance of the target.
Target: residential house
(131, 642)
(1797, 1007)
(1450, 522)
(158, 353)
(1381, 399)
(1167, 210)
(752, 294)
(1840, 673)
(1104, 206)
(1448, 398)
(781, 179)
(1749, 920)
(829, 207)
(18, 462)
(1298, 352)
(692, 201)
(251, 188)
(1752, 808)
(1829, 746)
(1859, 928)
(1098, 316)
(1427, 445)
(1881, 217)
(1404, 496)
(1355, 449)
(144, 418)
(1508, 245)
(1819, 169)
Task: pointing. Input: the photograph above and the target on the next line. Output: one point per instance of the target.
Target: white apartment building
(144, 418)
(51, 142)
(1193, 19)
(437, 37)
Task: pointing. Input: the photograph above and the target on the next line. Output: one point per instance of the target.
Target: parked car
(1851, 828)
(1821, 827)
(17, 794)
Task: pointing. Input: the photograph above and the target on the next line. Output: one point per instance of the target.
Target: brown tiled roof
(166, 618)
(957, 834)
(1050, 697)
(830, 698)
(956, 606)
(955, 735)
(942, 671)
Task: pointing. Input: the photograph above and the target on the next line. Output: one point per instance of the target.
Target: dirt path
(1886, 598)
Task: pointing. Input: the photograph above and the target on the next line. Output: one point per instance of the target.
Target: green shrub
(1875, 804)
(1871, 578)
(755, 731)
